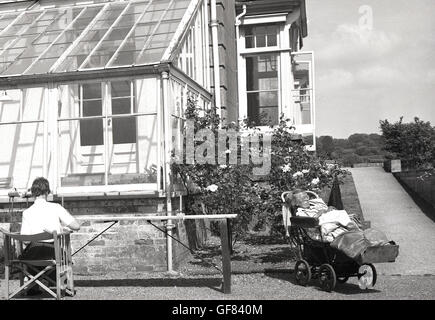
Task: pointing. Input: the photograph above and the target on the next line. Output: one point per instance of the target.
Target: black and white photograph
(216, 156)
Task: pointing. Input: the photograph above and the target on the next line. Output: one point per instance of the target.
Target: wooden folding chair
(31, 269)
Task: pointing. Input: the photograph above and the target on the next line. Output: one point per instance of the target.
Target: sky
(374, 60)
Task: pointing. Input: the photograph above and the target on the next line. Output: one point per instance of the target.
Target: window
(261, 36)
(91, 130)
(192, 58)
(259, 73)
(305, 104)
(124, 129)
(108, 133)
(303, 89)
(262, 89)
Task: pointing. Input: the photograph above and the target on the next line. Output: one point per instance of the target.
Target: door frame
(109, 119)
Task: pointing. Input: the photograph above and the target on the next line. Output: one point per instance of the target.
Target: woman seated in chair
(44, 216)
(332, 221)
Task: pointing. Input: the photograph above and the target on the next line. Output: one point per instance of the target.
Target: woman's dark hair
(40, 187)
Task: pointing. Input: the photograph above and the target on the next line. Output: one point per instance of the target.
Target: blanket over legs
(354, 243)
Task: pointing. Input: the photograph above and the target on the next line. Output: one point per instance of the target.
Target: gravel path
(258, 286)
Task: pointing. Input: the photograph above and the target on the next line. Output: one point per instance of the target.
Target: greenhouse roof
(99, 36)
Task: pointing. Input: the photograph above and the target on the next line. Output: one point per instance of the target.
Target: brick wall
(128, 245)
(6, 227)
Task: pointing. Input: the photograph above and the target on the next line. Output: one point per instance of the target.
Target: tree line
(413, 143)
(357, 148)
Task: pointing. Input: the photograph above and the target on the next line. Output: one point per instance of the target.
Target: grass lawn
(349, 196)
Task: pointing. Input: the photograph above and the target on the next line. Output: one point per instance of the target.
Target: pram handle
(284, 194)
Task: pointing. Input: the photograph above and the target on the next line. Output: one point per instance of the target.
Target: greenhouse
(90, 93)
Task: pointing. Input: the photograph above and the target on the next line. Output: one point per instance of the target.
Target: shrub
(228, 189)
(412, 142)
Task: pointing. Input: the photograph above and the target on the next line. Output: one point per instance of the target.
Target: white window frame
(284, 51)
(266, 47)
(137, 188)
(278, 90)
(309, 128)
(244, 52)
(194, 49)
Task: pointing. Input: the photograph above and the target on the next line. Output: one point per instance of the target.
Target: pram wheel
(302, 272)
(327, 277)
(367, 276)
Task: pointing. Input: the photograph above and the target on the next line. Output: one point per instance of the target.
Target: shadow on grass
(212, 283)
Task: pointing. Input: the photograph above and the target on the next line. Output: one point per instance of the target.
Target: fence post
(226, 258)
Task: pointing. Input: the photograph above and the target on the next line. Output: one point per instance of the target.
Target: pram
(317, 259)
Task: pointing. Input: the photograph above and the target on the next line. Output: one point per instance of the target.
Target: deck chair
(34, 272)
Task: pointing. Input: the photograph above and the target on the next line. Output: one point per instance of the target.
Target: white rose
(212, 188)
(286, 168)
(297, 174)
(315, 181)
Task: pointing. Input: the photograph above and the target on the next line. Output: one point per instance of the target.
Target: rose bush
(292, 166)
(234, 189)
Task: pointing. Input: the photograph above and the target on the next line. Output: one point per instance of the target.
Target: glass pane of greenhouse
(7, 19)
(108, 139)
(81, 37)
(22, 132)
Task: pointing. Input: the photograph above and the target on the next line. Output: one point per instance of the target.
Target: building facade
(92, 96)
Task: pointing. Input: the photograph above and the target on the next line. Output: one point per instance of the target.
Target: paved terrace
(390, 209)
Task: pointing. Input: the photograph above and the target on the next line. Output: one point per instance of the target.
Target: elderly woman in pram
(332, 222)
(333, 245)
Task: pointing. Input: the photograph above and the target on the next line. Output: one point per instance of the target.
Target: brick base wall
(127, 246)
